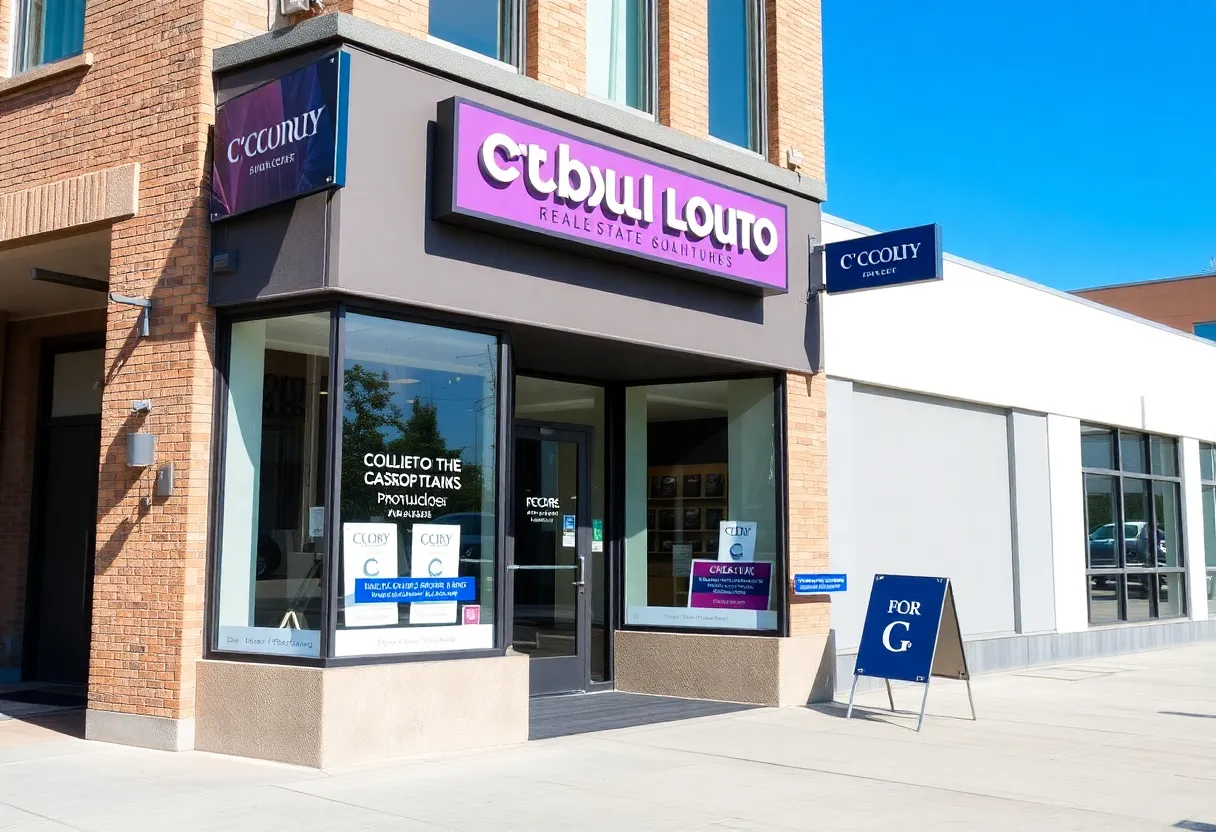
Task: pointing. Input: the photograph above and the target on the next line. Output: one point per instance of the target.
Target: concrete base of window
(156, 732)
(326, 717)
(757, 670)
(990, 655)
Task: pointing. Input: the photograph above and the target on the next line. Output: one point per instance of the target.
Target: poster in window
(692, 486)
(715, 485)
(435, 553)
(369, 550)
(692, 519)
(714, 517)
(737, 541)
(668, 487)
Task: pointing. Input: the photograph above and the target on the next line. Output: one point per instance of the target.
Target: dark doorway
(549, 569)
(63, 528)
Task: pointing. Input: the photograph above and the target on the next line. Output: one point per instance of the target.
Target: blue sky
(1072, 143)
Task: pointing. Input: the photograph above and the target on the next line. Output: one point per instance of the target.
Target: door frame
(49, 348)
(553, 669)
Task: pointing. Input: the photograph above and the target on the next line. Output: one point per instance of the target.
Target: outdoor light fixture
(141, 450)
(142, 303)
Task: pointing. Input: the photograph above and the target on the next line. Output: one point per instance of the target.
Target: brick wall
(807, 449)
(556, 43)
(18, 421)
(409, 16)
(794, 75)
(147, 98)
(683, 44)
(6, 34)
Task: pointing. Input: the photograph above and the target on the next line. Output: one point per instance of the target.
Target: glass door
(549, 563)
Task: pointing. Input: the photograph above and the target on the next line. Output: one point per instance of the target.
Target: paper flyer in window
(369, 550)
(737, 541)
(434, 553)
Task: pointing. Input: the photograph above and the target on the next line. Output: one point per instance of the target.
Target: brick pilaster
(794, 78)
(408, 16)
(556, 43)
(684, 65)
(807, 451)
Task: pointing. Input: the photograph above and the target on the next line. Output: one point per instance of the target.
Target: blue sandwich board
(911, 634)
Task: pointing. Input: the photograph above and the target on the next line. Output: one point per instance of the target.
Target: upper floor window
(619, 48)
(47, 30)
(1206, 330)
(486, 27)
(736, 72)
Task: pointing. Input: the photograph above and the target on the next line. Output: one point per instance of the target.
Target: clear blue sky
(1070, 142)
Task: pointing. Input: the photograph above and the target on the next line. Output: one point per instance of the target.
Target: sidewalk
(1126, 743)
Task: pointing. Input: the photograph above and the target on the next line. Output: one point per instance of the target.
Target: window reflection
(1134, 525)
(734, 72)
(482, 26)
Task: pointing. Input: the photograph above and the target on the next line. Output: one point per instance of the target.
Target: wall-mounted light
(141, 449)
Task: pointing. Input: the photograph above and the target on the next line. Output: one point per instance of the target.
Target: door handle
(582, 573)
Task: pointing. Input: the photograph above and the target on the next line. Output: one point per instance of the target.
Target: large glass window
(1207, 473)
(486, 27)
(419, 413)
(47, 30)
(1206, 330)
(619, 46)
(1133, 515)
(702, 536)
(272, 521)
(736, 73)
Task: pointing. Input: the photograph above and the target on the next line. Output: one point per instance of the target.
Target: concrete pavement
(1126, 743)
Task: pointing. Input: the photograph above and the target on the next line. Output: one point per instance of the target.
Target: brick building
(1186, 303)
(603, 445)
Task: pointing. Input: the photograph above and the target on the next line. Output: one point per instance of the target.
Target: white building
(994, 431)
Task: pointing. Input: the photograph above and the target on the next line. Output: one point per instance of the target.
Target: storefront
(503, 408)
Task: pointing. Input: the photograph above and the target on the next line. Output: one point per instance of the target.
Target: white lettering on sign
(904, 607)
(541, 502)
(878, 256)
(886, 636)
(618, 195)
(279, 135)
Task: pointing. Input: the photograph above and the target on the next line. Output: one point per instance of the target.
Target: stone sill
(44, 72)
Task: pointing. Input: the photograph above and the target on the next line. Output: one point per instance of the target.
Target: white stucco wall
(989, 338)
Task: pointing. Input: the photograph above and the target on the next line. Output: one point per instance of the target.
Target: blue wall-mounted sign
(282, 140)
(909, 255)
(900, 633)
(820, 583)
(409, 590)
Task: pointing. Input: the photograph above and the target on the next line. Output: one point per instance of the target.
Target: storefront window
(702, 543)
(1133, 516)
(417, 483)
(273, 512)
(1207, 469)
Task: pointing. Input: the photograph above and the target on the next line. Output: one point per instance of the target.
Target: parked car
(1137, 542)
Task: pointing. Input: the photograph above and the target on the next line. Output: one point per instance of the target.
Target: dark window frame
(21, 34)
(1121, 572)
(781, 463)
(337, 310)
(1209, 572)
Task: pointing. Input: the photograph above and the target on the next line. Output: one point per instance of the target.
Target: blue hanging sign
(409, 590)
(820, 583)
(909, 255)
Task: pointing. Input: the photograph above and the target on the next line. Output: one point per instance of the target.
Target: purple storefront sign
(716, 584)
(523, 178)
(281, 140)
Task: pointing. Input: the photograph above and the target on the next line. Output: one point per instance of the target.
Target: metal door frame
(550, 675)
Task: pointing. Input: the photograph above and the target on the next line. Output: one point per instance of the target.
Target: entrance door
(65, 522)
(549, 568)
